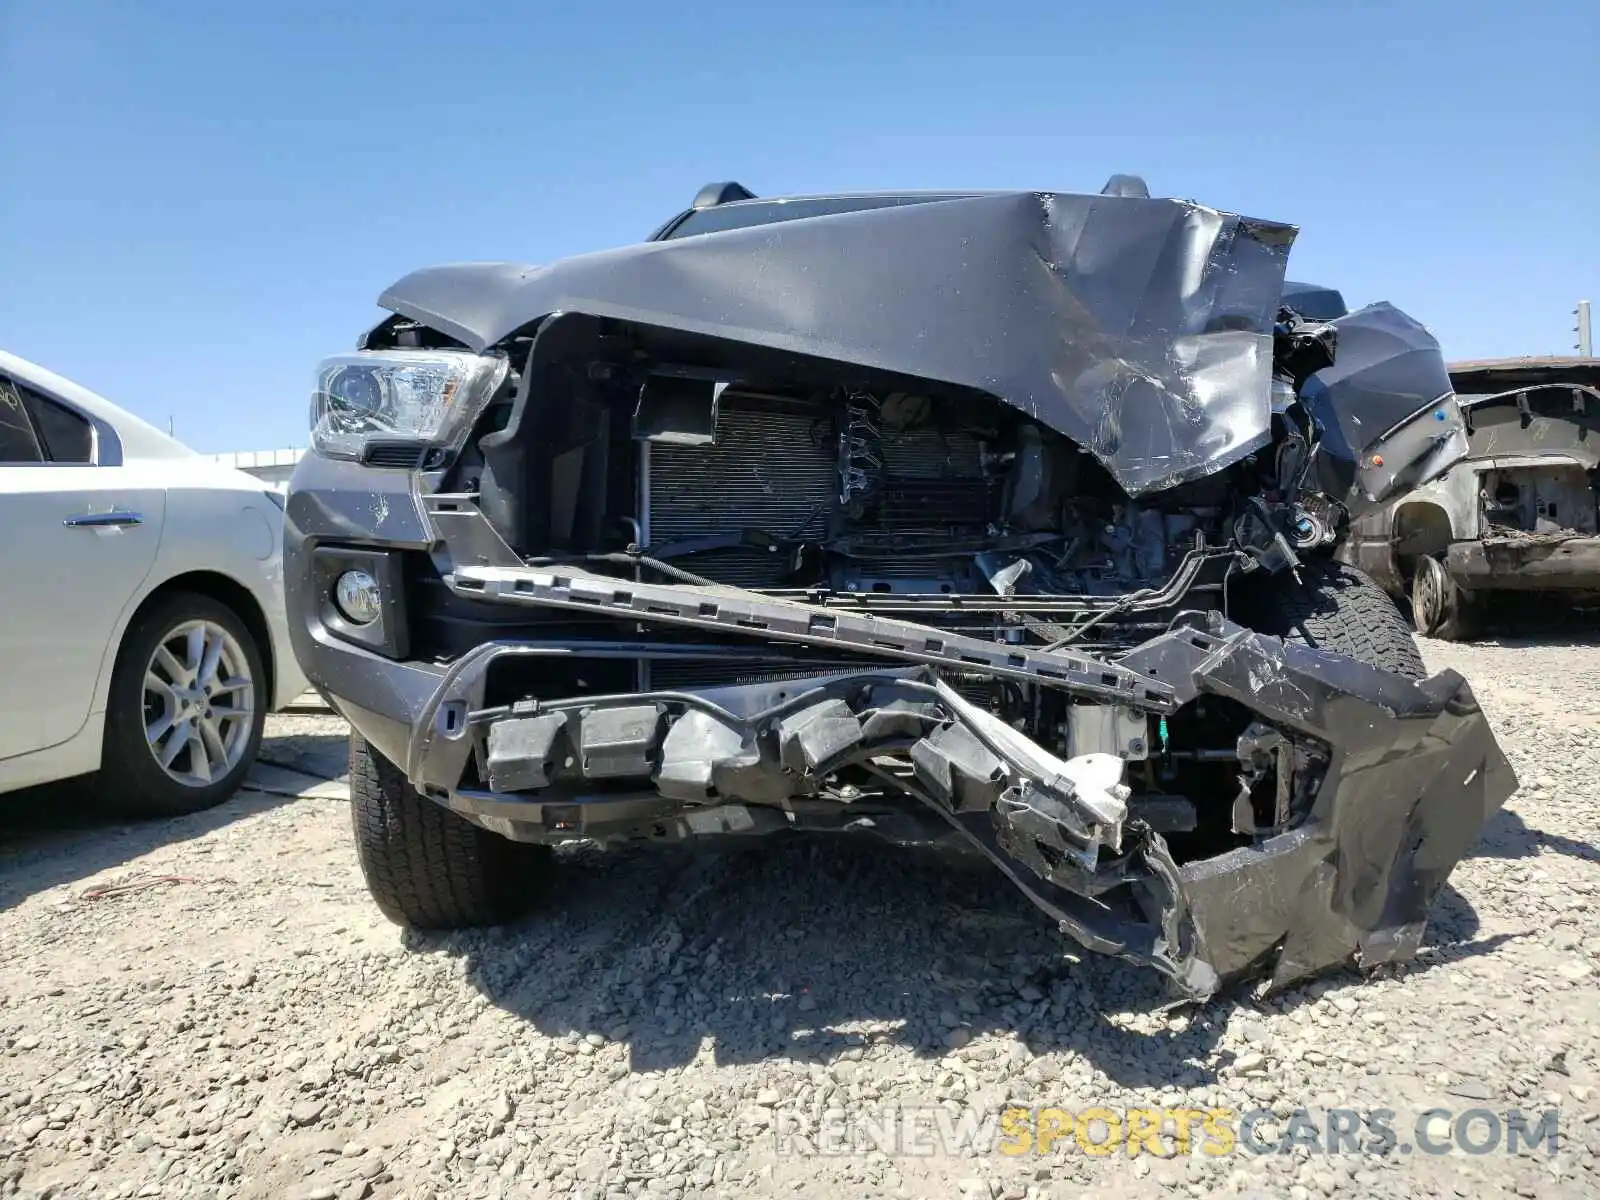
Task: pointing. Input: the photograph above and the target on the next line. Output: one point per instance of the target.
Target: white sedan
(142, 630)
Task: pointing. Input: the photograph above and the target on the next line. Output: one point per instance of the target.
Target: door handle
(105, 520)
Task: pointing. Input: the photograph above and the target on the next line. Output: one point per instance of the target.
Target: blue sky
(201, 199)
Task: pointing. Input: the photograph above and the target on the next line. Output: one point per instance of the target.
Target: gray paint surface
(1141, 329)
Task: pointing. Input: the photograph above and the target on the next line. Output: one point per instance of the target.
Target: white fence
(270, 466)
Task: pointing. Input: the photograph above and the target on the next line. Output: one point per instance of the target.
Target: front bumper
(1413, 776)
(1405, 776)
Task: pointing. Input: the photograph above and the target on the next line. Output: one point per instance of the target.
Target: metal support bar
(731, 610)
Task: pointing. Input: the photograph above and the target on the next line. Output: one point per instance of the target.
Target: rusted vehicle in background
(1520, 514)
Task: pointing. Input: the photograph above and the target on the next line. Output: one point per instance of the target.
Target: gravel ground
(240, 1022)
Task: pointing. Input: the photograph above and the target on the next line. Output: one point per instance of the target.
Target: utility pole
(1585, 343)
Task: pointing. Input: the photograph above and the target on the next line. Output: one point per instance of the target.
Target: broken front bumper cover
(1412, 772)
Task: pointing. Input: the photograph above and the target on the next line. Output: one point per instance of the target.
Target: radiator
(770, 468)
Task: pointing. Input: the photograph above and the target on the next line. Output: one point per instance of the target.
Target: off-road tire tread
(1340, 608)
(426, 867)
(130, 783)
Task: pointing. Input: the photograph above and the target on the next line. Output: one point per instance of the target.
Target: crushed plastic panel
(1412, 774)
(1141, 329)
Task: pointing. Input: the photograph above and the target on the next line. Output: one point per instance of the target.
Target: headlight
(430, 396)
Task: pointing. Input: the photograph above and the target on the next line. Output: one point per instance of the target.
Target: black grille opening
(405, 456)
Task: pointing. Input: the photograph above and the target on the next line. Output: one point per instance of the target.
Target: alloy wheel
(199, 701)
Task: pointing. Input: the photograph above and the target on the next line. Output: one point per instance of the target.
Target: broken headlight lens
(428, 396)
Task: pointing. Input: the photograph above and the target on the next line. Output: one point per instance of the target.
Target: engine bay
(903, 495)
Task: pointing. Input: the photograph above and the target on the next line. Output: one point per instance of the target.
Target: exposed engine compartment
(904, 495)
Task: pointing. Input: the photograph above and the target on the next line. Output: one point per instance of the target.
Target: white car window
(64, 436)
(34, 428)
(19, 442)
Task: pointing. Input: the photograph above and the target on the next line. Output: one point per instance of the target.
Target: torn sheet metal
(1141, 329)
(1413, 775)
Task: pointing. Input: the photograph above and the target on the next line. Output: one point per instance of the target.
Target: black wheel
(1334, 607)
(188, 700)
(1439, 608)
(425, 866)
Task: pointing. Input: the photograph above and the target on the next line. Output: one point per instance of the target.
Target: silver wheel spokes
(199, 701)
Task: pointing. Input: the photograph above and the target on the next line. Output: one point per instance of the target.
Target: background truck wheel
(1438, 607)
(425, 866)
(187, 703)
(1335, 607)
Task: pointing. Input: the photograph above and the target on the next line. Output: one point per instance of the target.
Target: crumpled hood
(1141, 329)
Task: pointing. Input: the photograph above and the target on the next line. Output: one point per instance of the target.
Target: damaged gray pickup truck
(995, 519)
(1519, 515)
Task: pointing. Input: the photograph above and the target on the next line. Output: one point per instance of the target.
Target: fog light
(356, 596)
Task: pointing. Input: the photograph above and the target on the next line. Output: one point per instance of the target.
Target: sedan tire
(187, 705)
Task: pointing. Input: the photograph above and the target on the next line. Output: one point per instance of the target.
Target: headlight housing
(430, 397)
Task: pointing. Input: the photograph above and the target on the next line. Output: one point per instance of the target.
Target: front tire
(428, 868)
(1334, 607)
(185, 713)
